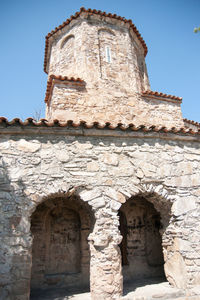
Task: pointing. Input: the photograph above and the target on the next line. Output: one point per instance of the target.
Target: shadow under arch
(146, 216)
(60, 226)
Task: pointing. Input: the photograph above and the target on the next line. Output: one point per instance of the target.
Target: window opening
(108, 54)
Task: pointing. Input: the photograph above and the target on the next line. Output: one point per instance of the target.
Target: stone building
(106, 189)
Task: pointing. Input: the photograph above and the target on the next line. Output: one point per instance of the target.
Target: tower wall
(108, 56)
(100, 52)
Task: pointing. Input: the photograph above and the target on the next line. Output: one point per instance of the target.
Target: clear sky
(173, 59)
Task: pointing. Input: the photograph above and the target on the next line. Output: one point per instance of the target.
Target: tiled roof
(95, 125)
(54, 78)
(192, 122)
(161, 95)
(92, 12)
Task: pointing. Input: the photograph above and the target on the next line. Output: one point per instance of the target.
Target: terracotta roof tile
(54, 78)
(160, 95)
(192, 122)
(92, 11)
(96, 125)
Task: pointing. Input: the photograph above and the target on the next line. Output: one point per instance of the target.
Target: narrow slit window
(108, 54)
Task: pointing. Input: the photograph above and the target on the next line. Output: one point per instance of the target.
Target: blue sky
(173, 59)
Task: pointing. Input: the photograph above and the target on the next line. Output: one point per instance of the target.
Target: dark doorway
(60, 250)
(141, 247)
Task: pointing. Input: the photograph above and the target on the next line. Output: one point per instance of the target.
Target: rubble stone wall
(81, 51)
(111, 62)
(70, 102)
(105, 173)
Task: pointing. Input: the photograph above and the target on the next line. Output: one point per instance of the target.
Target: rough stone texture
(78, 103)
(107, 204)
(60, 251)
(164, 172)
(113, 88)
(141, 245)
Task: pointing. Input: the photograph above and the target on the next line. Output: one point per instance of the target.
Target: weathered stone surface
(113, 194)
(106, 192)
(115, 205)
(110, 159)
(27, 146)
(97, 203)
(112, 90)
(90, 195)
(92, 167)
(175, 270)
(182, 206)
(62, 156)
(129, 197)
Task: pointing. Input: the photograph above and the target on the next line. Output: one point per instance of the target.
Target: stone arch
(108, 30)
(67, 55)
(144, 243)
(65, 40)
(60, 225)
(160, 201)
(158, 195)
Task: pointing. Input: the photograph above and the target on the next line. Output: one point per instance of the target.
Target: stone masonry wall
(80, 51)
(104, 172)
(69, 103)
(111, 61)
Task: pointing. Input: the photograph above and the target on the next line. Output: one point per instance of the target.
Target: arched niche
(67, 55)
(106, 31)
(67, 39)
(60, 226)
(144, 220)
(107, 52)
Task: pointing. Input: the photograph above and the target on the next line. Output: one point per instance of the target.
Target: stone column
(106, 281)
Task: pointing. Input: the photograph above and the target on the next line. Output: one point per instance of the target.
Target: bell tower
(96, 70)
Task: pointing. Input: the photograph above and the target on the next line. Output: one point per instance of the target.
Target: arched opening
(67, 56)
(60, 252)
(107, 53)
(141, 247)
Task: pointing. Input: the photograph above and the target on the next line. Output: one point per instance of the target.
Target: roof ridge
(92, 11)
